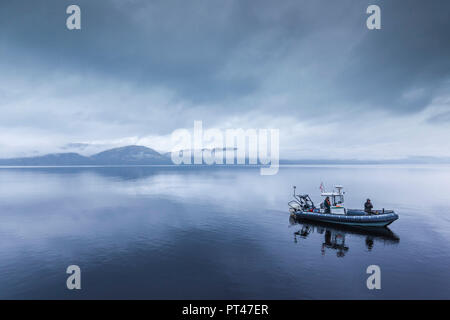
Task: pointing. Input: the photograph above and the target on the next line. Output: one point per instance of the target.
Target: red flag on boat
(322, 188)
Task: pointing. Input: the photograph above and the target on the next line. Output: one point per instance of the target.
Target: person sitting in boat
(368, 206)
(327, 205)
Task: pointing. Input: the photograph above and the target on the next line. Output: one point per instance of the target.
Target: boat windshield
(338, 199)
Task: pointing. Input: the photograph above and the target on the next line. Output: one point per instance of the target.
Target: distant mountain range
(129, 155)
(140, 155)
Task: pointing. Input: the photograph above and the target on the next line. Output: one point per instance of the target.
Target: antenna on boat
(339, 189)
(294, 190)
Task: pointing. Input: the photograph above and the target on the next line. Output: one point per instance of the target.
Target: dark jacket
(368, 207)
(327, 205)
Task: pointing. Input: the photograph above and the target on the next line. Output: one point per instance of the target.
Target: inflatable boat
(303, 207)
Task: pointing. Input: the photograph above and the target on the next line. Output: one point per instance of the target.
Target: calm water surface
(216, 233)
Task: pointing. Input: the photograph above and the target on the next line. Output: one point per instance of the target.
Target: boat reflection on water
(334, 235)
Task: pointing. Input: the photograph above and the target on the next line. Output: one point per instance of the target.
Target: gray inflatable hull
(376, 220)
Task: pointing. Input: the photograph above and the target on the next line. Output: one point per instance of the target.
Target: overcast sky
(140, 69)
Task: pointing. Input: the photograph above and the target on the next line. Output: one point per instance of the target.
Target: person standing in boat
(327, 205)
(368, 206)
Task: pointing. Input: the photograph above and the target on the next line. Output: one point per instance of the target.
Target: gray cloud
(443, 117)
(140, 68)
